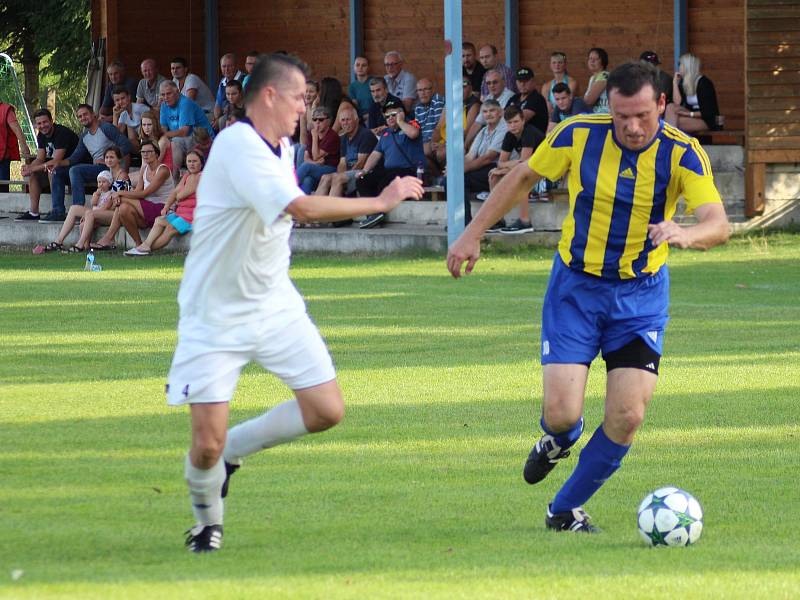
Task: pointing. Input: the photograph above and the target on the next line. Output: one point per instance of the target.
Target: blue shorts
(584, 314)
(180, 224)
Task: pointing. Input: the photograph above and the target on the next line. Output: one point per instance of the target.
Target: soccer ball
(670, 517)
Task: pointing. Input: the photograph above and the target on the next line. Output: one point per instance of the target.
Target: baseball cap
(524, 74)
(392, 105)
(650, 57)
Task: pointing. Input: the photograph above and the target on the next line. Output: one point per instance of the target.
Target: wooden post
(755, 179)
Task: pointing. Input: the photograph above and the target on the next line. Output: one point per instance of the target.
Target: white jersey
(237, 270)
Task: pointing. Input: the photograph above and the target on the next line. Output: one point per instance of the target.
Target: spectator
(483, 154)
(596, 96)
(357, 142)
(664, 80)
(558, 65)
(128, 116)
(497, 91)
(331, 96)
(12, 142)
(234, 114)
(358, 89)
(428, 113)
(138, 208)
(694, 108)
(400, 147)
(399, 82)
(116, 77)
(380, 96)
(227, 65)
(491, 61)
(566, 105)
(148, 92)
(85, 162)
(191, 86)
(322, 156)
(235, 98)
(311, 100)
(249, 62)
(518, 146)
(150, 129)
(532, 103)
(179, 222)
(180, 116)
(472, 107)
(53, 143)
(471, 68)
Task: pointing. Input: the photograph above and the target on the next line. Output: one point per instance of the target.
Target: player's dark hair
(43, 112)
(561, 87)
(269, 69)
(512, 111)
(602, 54)
(629, 78)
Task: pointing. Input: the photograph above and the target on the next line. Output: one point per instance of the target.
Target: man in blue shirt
(179, 117)
(566, 105)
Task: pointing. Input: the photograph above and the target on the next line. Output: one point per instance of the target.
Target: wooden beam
(755, 177)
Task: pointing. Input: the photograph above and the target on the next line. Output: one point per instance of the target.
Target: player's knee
(324, 416)
(206, 452)
(560, 418)
(625, 421)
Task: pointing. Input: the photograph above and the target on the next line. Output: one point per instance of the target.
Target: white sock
(280, 425)
(205, 486)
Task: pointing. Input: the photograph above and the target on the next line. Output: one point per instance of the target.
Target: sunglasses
(318, 119)
(389, 115)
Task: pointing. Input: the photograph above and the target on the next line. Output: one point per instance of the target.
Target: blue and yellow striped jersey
(614, 193)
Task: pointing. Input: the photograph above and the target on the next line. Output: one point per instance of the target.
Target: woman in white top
(596, 96)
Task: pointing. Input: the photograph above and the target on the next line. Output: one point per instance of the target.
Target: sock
(565, 439)
(280, 425)
(598, 461)
(205, 486)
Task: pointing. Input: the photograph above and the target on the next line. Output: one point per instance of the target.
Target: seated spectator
(249, 62)
(235, 98)
(518, 146)
(471, 68)
(497, 91)
(86, 161)
(147, 91)
(150, 129)
(233, 114)
(180, 117)
(566, 105)
(12, 141)
(400, 147)
(428, 113)
(358, 89)
(694, 107)
(664, 80)
(179, 222)
(311, 99)
(380, 96)
(357, 142)
(227, 65)
(322, 156)
(191, 86)
(332, 97)
(558, 66)
(472, 106)
(138, 208)
(54, 142)
(116, 77)
(400, 83)
(128, 116)
(491, 62)
(596, 96)
(532, 103)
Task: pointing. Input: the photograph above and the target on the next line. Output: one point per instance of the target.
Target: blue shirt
(363, 142)
(359, 91)
(400, 151)
(185, 112)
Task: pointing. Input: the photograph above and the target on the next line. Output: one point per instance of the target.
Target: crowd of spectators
(348, 141)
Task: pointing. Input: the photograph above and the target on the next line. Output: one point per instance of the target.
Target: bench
(728, 137)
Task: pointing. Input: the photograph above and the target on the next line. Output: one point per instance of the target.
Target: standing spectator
(400, 147)
(235, 98)
(357, 142)
(85, 162)
(249, 62)
(532, 103)
(596, 96)
(53, 143)
(558, 65)
(191, 86)
(497, 91)
(227, 65)
(428, 113)
(12, 142)
(116, 77)
(664, 80)
(491, 62)
(148, 92)
(695, 107)
(380, 96)
(399, 82)
(358, 89)
(128, 116)
(471, 68)
(566, 105)
(322, 156)
(180, 116)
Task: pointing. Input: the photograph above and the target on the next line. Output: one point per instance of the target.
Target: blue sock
(598, 461)
(565, 439)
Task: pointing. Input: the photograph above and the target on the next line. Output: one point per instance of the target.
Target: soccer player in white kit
(237, 302)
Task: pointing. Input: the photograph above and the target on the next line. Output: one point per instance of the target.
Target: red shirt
(332, 146)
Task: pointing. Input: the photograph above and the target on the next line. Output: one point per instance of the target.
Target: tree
(54, 31)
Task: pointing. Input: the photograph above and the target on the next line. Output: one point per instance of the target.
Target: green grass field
(418, 493)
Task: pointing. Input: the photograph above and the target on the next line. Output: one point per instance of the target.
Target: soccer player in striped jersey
(609, 286)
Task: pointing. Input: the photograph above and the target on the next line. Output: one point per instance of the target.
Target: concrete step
(547, 216)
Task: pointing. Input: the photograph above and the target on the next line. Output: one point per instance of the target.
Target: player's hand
(669, 232)
(465, 249)
(397, 191)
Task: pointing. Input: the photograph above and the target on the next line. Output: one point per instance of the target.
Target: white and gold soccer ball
(670, 517)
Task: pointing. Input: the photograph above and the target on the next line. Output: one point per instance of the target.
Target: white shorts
(209, 358)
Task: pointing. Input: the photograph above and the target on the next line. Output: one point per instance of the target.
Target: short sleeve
(508, 142)
(697, 180)
(163, 117)
(528, 138)
(554, 155)
(367, 142)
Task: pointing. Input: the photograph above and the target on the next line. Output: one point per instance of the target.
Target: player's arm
(467, 247)
(712, 229)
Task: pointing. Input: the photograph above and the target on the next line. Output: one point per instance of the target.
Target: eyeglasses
(318, 119)
(492, 81)
(425, 89)
(147, 152)
(390, 115)
(392, 64)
